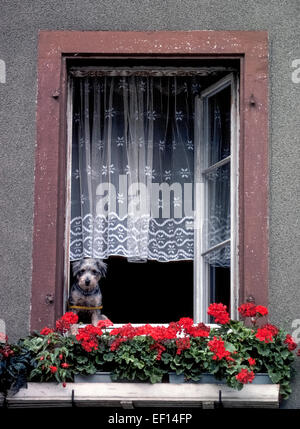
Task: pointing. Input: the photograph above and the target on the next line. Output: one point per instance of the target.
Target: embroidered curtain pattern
(132, 135)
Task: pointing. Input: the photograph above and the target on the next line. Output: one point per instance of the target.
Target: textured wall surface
(19, 25)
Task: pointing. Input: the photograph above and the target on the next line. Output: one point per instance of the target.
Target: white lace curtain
(130, 135)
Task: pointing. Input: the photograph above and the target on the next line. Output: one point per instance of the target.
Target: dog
(85, 295)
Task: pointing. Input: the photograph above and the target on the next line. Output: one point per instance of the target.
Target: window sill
(134, 395)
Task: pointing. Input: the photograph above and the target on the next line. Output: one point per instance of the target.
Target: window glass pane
(218, 132)
(217, 225)
(219, 257)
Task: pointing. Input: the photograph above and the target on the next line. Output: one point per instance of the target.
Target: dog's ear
(102, 266)
(76, 267)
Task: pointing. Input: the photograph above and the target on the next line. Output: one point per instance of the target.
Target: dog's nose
(87, 281)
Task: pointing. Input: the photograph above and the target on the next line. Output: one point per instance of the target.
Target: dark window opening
(219, 286)
(149, 292)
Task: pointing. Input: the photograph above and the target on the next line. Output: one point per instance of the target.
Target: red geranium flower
(247, 310)
(219, 312)
(290, 342)
(271, 328)
(201, 330)
(46, 331)
(251, 361)
(116, 343)
(261, 310)
(245, 376)
(216, 345)
(53, 369)
(265, 335)
(64, 323)
(160, 349)
(104, 323)
(6, 351)
(185, 322)
(65, 365)
(182, 344)
(251, 310)
(87, 337)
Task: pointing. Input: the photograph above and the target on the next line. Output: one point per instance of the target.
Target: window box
(173, 378)
(99, 377)
(210, 378)
(230, 351)
(131, 395)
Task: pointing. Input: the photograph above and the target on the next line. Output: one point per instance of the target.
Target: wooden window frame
(201, 273)
(250, 47)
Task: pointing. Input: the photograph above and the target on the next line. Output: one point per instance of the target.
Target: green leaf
(229, 347)
(81, 359)
(108, 357)
(262, 350)
(155, 378)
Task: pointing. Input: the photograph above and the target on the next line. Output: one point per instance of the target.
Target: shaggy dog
(85, 296)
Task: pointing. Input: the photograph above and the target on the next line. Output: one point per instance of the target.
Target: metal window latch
(252, 100)
(251, 299)
(127, 405)
(49, 299)
(56, 94)
(73, 399)
(208, 405)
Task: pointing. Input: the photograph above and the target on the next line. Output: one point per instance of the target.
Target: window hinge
(56, 94)
(49, 298)
(127, 405)
(252, 100)
(251, 299)
(208, 405)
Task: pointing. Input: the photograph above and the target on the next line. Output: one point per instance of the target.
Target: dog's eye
(94, 272)
(81, 272)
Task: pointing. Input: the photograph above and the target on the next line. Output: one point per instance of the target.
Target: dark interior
(148, 292)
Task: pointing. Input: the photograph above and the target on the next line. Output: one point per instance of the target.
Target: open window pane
(217, 145)
(216, 157)
(218, 206)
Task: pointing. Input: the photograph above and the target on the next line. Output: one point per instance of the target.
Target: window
(138, 165)
(228, 169)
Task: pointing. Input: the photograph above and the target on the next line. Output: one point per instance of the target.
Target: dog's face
(88, 272)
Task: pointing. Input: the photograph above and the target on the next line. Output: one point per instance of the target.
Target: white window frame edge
(200, 266)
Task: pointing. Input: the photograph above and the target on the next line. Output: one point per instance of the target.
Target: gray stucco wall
(19, 24)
